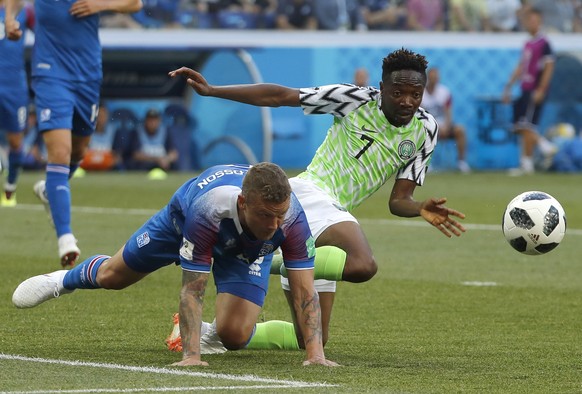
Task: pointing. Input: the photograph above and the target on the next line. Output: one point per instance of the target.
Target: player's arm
(308, 315)
(11, 25)
(402, 203)
(191, 303)
(515, 75)
(83, 8)
(261, 94)
(545, 79)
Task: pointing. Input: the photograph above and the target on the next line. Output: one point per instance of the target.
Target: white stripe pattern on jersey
(362, 150)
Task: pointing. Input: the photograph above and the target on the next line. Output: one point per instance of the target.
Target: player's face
(152, 124)
(401, 96)
(261, 218)
(533, 23)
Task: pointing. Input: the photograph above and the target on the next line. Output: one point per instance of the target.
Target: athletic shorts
(13, 108)
(322, 211)
(157, 242)
(67, 105)
(525, 112)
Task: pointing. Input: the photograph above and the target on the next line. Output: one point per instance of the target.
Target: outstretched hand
(320, 361)
(434, 212)
(194, 79)
(190, 361)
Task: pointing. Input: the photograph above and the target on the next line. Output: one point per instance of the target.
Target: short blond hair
(268, 181)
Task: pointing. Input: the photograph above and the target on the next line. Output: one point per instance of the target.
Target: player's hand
(190, 361)
(506, 96)
(538, 96)
(194, 79)
(434, 212)
(12, 29)
(318, 360)
(83, 8)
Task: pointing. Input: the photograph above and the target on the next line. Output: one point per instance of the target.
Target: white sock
(205, 327)
(546, 147)
(527, 163)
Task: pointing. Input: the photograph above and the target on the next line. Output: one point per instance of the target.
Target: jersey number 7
(370, 140)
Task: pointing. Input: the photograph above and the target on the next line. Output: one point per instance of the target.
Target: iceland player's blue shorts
(13, 111)
(156, 244)
(70, 105)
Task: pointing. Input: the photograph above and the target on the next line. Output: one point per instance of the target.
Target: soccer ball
(534, 223)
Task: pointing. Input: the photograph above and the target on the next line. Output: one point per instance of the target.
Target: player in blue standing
(233, 215)
(66, 79)
(14, 99)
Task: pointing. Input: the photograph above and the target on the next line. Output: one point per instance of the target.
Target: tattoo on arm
(191, 304)
(311, 313)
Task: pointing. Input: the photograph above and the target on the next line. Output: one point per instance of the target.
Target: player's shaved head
(266, 181)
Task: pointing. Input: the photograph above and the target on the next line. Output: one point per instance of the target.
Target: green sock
(329, 263)
(274, 334)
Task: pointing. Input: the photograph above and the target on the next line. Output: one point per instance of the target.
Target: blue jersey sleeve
(200, 235)
(197, 246)
(298, 248)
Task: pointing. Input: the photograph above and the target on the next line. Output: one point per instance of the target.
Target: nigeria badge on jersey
(406, 149)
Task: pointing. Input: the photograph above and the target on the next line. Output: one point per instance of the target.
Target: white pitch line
(153, 389)
(166, 371)
(391, 222)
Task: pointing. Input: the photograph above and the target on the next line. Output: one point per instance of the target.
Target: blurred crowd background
(356, 15)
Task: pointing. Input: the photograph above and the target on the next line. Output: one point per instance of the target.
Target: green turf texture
(414, 328)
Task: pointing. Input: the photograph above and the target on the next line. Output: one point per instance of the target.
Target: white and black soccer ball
(534, 223)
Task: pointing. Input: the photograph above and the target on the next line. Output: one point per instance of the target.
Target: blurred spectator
(502, 15)
(437, 100)
(577, 19)
(104, 151)
(361, 77)
(195, 14)
(558, 14)
(384, 14)
(114, 20)
(151, 145)
(426, 15)
(158, 14)
(296, 15)
(468, 15)
(339, 15)
(237, 14)
(267, 12)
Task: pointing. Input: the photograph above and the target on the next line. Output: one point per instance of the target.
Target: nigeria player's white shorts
(322, 211)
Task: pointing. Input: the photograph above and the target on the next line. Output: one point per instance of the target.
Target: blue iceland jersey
(12, 67)
(204, 209)
(66, 47)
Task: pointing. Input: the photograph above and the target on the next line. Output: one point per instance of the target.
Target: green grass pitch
(464, 315)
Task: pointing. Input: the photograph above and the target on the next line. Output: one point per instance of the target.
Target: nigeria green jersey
(362, 150)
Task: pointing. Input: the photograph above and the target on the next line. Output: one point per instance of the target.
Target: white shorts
(322, 211)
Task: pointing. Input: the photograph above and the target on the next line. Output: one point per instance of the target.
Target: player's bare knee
(361, 270)
(233, 339)
(78, 154)
(370, 268)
